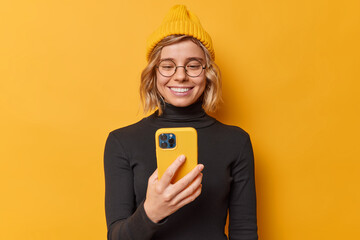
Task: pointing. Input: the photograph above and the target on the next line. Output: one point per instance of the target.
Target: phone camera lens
(163, 137)
(163, 145)
(171, 141)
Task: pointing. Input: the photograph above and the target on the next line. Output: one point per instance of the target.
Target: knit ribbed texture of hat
(180, 21)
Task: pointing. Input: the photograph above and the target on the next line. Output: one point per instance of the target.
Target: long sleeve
(242, 202)
(228, 180)
(124, 219)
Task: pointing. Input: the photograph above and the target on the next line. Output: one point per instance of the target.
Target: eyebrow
(187, 59)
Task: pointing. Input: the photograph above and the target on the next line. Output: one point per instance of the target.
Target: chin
(181, 103)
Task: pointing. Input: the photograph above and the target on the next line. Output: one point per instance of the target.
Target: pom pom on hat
(180, 21)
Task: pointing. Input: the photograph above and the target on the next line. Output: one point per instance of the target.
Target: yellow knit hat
(179, 20)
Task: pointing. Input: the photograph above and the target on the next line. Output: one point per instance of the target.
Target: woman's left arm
(242, 202)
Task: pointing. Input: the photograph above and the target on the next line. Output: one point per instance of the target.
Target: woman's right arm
(124, 220)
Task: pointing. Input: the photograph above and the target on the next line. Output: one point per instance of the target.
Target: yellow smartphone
(173, 142)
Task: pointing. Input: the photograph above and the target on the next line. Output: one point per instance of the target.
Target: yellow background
(69, 74)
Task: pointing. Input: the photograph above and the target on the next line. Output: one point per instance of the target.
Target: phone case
(185, 143)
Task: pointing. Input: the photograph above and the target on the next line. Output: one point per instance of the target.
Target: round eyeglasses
(167, 68)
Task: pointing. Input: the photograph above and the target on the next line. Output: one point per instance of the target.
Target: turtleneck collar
(190, 116)
(182, 113)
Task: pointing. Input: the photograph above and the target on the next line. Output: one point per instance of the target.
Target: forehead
(182, 50)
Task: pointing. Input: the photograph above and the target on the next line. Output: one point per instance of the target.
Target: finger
(187, 179)
(170, 172)
(191, 189)
(154, 176)
(190, 198)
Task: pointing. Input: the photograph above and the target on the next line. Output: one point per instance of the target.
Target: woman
(182, 82)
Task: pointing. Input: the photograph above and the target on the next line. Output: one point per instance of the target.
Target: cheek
(202, 84)
(160, 83)
(160, 80)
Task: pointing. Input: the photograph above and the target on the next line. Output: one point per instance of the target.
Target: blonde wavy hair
(150, 96)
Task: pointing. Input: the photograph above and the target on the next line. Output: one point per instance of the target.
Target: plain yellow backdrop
(69, 74)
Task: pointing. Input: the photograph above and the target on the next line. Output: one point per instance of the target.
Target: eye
(194, 66)
(166, 66)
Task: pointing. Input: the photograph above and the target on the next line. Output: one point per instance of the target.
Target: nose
(180, 74)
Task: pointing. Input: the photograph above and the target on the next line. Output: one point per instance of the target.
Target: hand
(164, 198)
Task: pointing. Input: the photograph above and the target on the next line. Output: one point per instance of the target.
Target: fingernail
(201, 167)
(181, 158)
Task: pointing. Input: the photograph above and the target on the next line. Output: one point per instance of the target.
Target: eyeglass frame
(176, 67)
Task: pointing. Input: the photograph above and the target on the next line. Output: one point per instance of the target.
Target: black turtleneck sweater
(228, 180)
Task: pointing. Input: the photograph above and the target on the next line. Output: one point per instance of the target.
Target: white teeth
(180, 90)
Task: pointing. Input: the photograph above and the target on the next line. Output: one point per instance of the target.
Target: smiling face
(181, 90)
